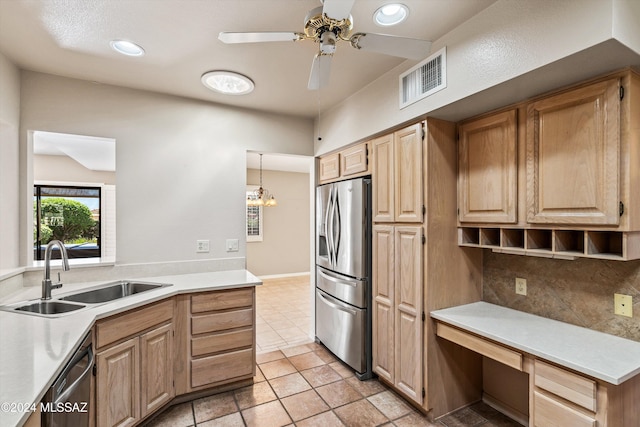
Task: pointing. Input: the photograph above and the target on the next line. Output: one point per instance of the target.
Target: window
(69, 214)
(254, 218)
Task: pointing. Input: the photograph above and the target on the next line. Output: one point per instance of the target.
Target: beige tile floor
(300, 383)
(283, 313)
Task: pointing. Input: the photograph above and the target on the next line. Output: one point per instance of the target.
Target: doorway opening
(280, 249)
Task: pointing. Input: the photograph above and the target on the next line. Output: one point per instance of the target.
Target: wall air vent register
(424, 79)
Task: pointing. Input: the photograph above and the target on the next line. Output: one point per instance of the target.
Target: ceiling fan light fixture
(126, 47)
(227, 82)
(391, 14)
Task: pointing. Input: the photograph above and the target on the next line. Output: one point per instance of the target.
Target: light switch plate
(623, 305)
(232, 245)
(521, 286)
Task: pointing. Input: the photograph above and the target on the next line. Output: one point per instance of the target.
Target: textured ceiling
(71, 38)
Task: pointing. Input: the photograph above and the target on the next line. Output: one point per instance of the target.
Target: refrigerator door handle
(336, 280)
(330, 223)
(327, 216)
(337, 231)
(337, 306)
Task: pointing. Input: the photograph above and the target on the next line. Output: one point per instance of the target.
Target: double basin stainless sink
(79, 300)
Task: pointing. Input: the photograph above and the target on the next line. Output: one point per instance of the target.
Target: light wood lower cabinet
(397, 311)
(558, 397)
(118, 384)
(134, 364)
(215, 342)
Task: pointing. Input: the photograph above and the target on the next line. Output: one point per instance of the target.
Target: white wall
(181, 163)
(508, 40)
(9, 172)
(286, 243)
(65, 169)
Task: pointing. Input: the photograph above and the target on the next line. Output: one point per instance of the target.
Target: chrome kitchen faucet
(47, 286)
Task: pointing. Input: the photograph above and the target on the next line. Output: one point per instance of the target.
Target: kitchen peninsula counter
(34, 349)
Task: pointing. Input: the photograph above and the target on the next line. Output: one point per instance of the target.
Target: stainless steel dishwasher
(67, 402)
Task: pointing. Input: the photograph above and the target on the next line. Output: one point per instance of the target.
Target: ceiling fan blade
(272, 36)
(337, 9)
(403, 47)
(320, 72)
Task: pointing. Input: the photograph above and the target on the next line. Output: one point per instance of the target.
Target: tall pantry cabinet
(418, 267)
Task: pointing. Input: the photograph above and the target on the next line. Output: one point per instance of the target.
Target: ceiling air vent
(424, 79)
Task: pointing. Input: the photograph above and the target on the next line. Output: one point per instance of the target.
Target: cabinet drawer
(550, 413)
(481, 345)
(221, 300)
(216, 343)
(214, 322)
(574, 388)
(132, 322)
(222, 367)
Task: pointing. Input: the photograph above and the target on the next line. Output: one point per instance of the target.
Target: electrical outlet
(202, 246)
(232, 245)
(521, 286)
(623, 305)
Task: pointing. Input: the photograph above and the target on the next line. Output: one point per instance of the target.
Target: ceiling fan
(328, 24)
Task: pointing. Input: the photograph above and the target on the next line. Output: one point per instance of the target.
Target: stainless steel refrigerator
(343, 271)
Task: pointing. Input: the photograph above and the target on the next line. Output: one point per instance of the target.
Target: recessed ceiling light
(227, 82)
(126, 47)
(390, 14)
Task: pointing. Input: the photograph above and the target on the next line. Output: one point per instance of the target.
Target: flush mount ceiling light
(227, 82)
(126, 47)
(390, 14)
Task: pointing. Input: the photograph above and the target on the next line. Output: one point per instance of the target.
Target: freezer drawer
(351, 291)
(342, 329)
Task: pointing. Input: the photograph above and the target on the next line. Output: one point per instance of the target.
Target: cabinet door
(408, 174)
(487, 164)
(329, 167)
(383, 301)
(408, 311)
(383, 179)
(156, 364)
(118, 385)
(354, 160)
(573, 146)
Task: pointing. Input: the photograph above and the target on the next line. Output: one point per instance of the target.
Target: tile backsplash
(579, 292)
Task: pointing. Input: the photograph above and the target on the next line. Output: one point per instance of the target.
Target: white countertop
(34, 349)
(596, 354)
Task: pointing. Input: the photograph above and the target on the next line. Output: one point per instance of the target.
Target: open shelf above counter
(553, 243)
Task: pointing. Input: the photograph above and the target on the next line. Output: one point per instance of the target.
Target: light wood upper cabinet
(348, 163)
(383, 198)
(573, 156)
(397, 313)
(354, 160)
(397, 176)
(487, 164)
(329, 167)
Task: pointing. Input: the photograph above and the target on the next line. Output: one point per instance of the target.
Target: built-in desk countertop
(599, 355)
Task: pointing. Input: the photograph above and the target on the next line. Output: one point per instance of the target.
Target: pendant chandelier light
(261, 196)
